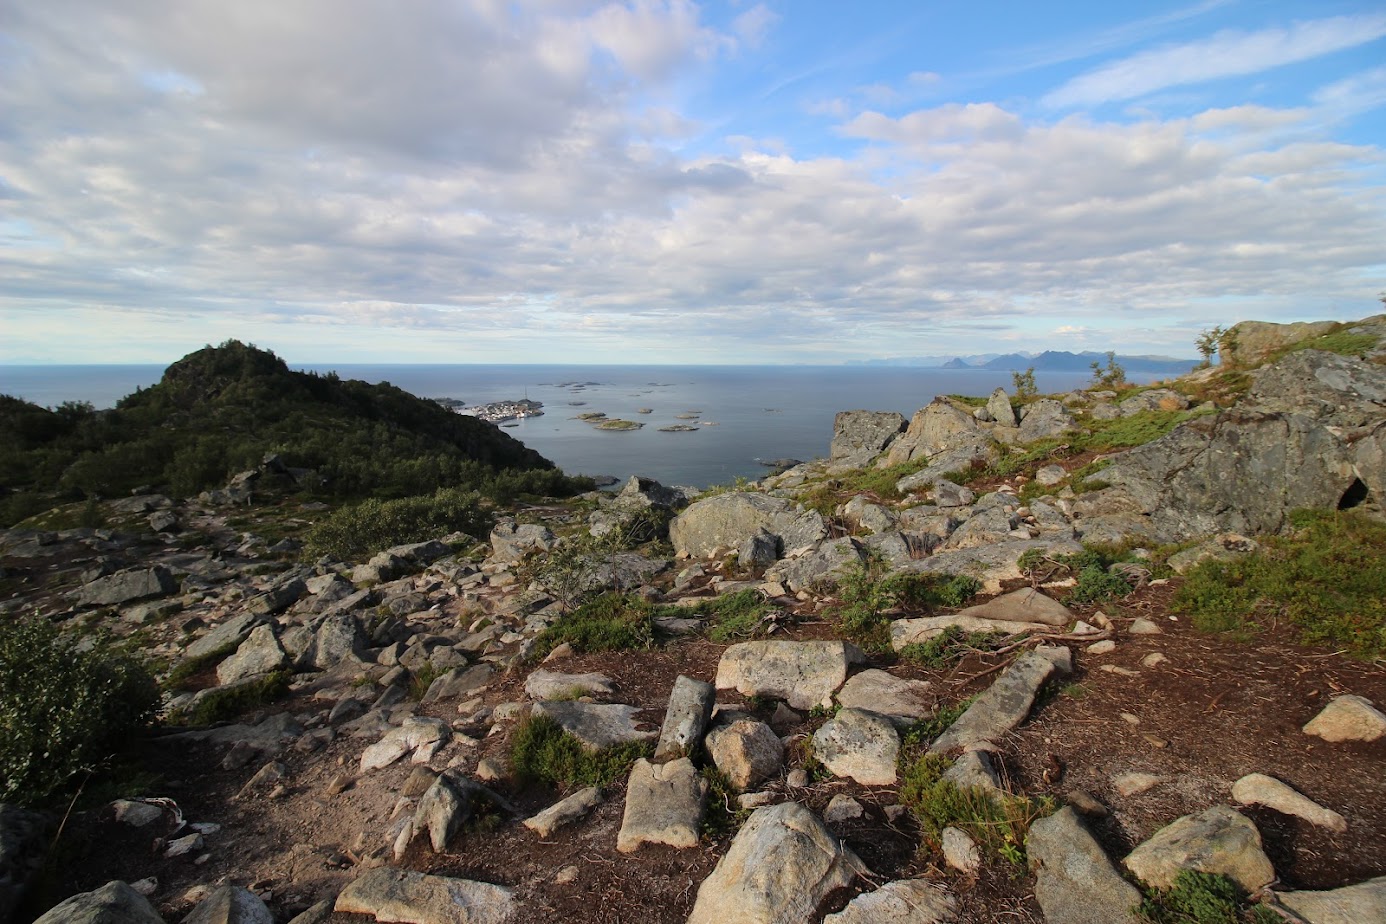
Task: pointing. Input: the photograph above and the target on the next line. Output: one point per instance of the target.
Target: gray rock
(560, 814)
(459, 682)
(664, 805)
(746, 751)
(442, 811)
(1251, 342)
(1157, 399)
(596, 725)
(260, 653)
(949, 494)
(278, 598)
(381, 568)
(417, 734)
(1023, 605)
(337, 639)
(230, 904)
(860, 514)
(543, 684)
(821, 568)
(1006, 703)
(1075, 882)
(408, 897)
(685, 719)
(1045, 418)
(842, 808)
(983, 528)
(937, 428)
(999, 407)
(725, 522)
(960, 851)
(1224, 547)
(913, 631)
(859, 745)
(979, 451)
(780, 867)
(974, 770)
(804, 674)
(759, 550)
(1348, 718)
(1364, 903)
(113, 903)
(1218, 840)
(863, 434)
(1050, 475)
(646, 493)
(126, 586)
(511, 542)
(904, 901)
(902, 701)
(1259, 789)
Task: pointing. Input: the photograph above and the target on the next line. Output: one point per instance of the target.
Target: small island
(618, 424)
(677, 428)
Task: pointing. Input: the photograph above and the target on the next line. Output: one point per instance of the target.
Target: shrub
(1200, 898)
(360, 530)
(63, 711)
(541, 751)
(724, 813)
(950, 645)
(224, 704)
(611, 622)
(736, 616)
(1324, 577)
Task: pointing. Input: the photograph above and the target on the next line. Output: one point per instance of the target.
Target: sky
(663, 181)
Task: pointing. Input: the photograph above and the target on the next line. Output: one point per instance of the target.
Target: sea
(744, 416)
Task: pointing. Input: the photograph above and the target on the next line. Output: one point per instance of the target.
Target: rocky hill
(1046, 660)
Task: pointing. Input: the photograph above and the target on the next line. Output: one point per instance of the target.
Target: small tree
(1208, 343)
(1024, 383)
(1112, 376)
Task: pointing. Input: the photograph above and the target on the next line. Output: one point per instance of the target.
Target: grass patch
(1202, 898)
(948, 647)
(866, 594)
(825, 496)
(356, 532)
(611, 622)
(421, 679)
(1342, 342)
(541, 751)
(735, 617)
(1325, 577)
(224, 705)
(724, 813)
(1097, 582)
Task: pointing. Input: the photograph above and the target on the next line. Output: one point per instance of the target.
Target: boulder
(949, 494)
(936, 428)
(977, 452)
(1259, 789)
(1075, 882)
(1007, 702)
(685, 718)
(726, 521)
(664, 805)
(260, 653)
(904, 901)
(279, 597)
(974, 770)
(442, 811)
(804, 674)
(1364, 903)
(746, 751)
(230, 904)
(418, 734)
(984, 528)
(1023, 605)
(596, 725)
(758, 551)
(126, 586)
(1156, 399)
(338, 638)
(543, 684)
(858, 745)
(859, 436)
(645, 493)
(780, 867)
(999, 409)
(395, 895)
(821, 568)
(459, 682)
(1348, 718)
(511, 542)
(1045, 418)
(903, 702)
(1218, 840)
(572, 809)
(860, 514)
(1250, 342)
(990, 564)
(113, 903)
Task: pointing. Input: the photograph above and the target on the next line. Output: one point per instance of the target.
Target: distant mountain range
(1048, 361)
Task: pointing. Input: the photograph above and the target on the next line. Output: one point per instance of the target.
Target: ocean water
(746, 414)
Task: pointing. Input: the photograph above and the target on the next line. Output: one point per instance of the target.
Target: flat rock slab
(904, 901)
(1218, 840)
(1364, 903)
(113, 903)
(858, 745)
(1024, 605)
(396, 895)
(459, 682)
(260, 653)
(1007, 702)
(902, 701)
(124, 586)
(914, 631)
(1259, 789)
(804, 674)
(779, 868)
(1075, 882)
(228, 634)
(1348, 718)
(230, 904)
(664, 805)
(546, 685)
(574, 808)
(596, 725)
(685, 719)
(747, 751)
(417, 732)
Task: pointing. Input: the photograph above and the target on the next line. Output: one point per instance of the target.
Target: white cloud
(1226, 54)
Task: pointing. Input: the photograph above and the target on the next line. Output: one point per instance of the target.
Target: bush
(359, 531)
(1200, 898)
(735, 616)
(541, 751)
(222, 705)
(950, 645)
(63, 712)
(611, 622)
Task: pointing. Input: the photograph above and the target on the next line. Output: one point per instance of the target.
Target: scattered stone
(459, 682)
(754, 800)
(1085, 804)
(1364, 903)
(1135, 783)
(407, 897)
(146, 887)
(259, 654)
(126, 586)
(974, 769)
(1023, 605)
(1143, 626)
(728, 520)
(804, 674)
(113, 903)
(664, 805)
(903, 901)
(914, 631)
(545, 685)
(1007, 702)
(902, 701)
(746, 751)
(960, 851)
(685, 719)
(779, 868)
(842, 807)
(136, 814)
(1348, 718)
(1100, 648)
(1218, 840)
(859, 745)
(417, 734)
(230, 904)
(1118, 670)
(1259, 789)
(442, 811)
(1075, 883)
(420, 779)
(489, 769)
(596, 725)
(572, 809)
(797, 778)
(1154, 659)
(182, 846)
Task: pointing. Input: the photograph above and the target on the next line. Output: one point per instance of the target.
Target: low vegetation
(541, 751)
(866, 593)
(64, 711)
(1202, 898)
(611, 622)
(949, 646)
(226, 703)
(358, 531)
(1324, 577)
(735, 617)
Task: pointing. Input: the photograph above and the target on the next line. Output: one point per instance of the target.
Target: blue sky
(575, 181)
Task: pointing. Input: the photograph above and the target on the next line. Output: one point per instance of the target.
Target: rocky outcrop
(724, 522)
(394, 895)
(939, 427)
(803, 674)
(1250, 342)
(858, 436)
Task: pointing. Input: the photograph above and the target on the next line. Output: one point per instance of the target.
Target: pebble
(960, 851)
(1085, 804)
(1154, 659)
(797, 779)
(1119, 670)
(1101, 648)
(566, 875)
(1130, 719)
(1143, 626)
(1135, 783)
